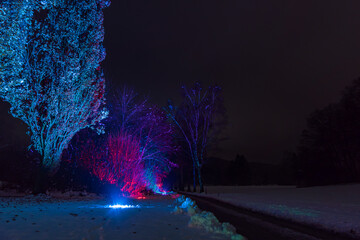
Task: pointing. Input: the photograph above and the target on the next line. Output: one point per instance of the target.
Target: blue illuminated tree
(16, 18)
(199, 118)
(51, 54)
(15, 22)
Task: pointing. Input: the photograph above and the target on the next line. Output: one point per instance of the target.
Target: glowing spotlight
(117, 206)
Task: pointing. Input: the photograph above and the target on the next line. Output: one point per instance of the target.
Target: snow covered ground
(204, 219)
(336, 208)
(88, 217)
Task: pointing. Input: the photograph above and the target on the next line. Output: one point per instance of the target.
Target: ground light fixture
(121, 206)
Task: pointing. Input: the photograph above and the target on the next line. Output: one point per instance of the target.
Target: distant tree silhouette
(238, 171)
(287, 169)
(330, 144)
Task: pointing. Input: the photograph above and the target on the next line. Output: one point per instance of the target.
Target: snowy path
(30, 218)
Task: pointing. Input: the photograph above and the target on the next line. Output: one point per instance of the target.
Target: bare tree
(197, 118)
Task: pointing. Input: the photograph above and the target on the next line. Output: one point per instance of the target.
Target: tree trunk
(181, 187)
(200, 180)
(194, 177)
(198, 168)
(42, 180)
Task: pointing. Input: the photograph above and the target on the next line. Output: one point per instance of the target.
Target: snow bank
(204, 219)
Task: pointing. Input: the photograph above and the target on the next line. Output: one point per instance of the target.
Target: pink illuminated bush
(135, 155)
(116, 161)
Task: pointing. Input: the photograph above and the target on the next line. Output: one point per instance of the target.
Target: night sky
(277, 61)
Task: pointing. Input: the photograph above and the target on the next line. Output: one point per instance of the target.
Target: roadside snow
(336, 208)
(205, 220)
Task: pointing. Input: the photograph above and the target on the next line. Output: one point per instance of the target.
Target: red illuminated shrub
(135, 156)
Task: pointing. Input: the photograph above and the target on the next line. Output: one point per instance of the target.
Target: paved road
(29, 218)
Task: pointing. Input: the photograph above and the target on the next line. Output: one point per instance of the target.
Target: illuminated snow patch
(117, 206)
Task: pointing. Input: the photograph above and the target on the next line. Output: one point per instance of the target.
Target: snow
(89, 217)
(336, 208)
(205, 220)
(14, 192)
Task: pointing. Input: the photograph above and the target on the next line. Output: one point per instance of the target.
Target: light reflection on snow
(294, 210)
(117, 206)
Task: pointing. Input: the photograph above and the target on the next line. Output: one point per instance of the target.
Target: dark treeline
(329, 150)
(240, 172)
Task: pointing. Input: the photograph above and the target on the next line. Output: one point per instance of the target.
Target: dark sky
(277, 60)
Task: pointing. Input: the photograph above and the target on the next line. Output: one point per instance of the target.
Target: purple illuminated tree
(138, 117)
(127, 109)
(57, 86)
(199, 119)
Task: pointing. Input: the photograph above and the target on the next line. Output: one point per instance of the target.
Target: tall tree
(58, 88)
(199, 118)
